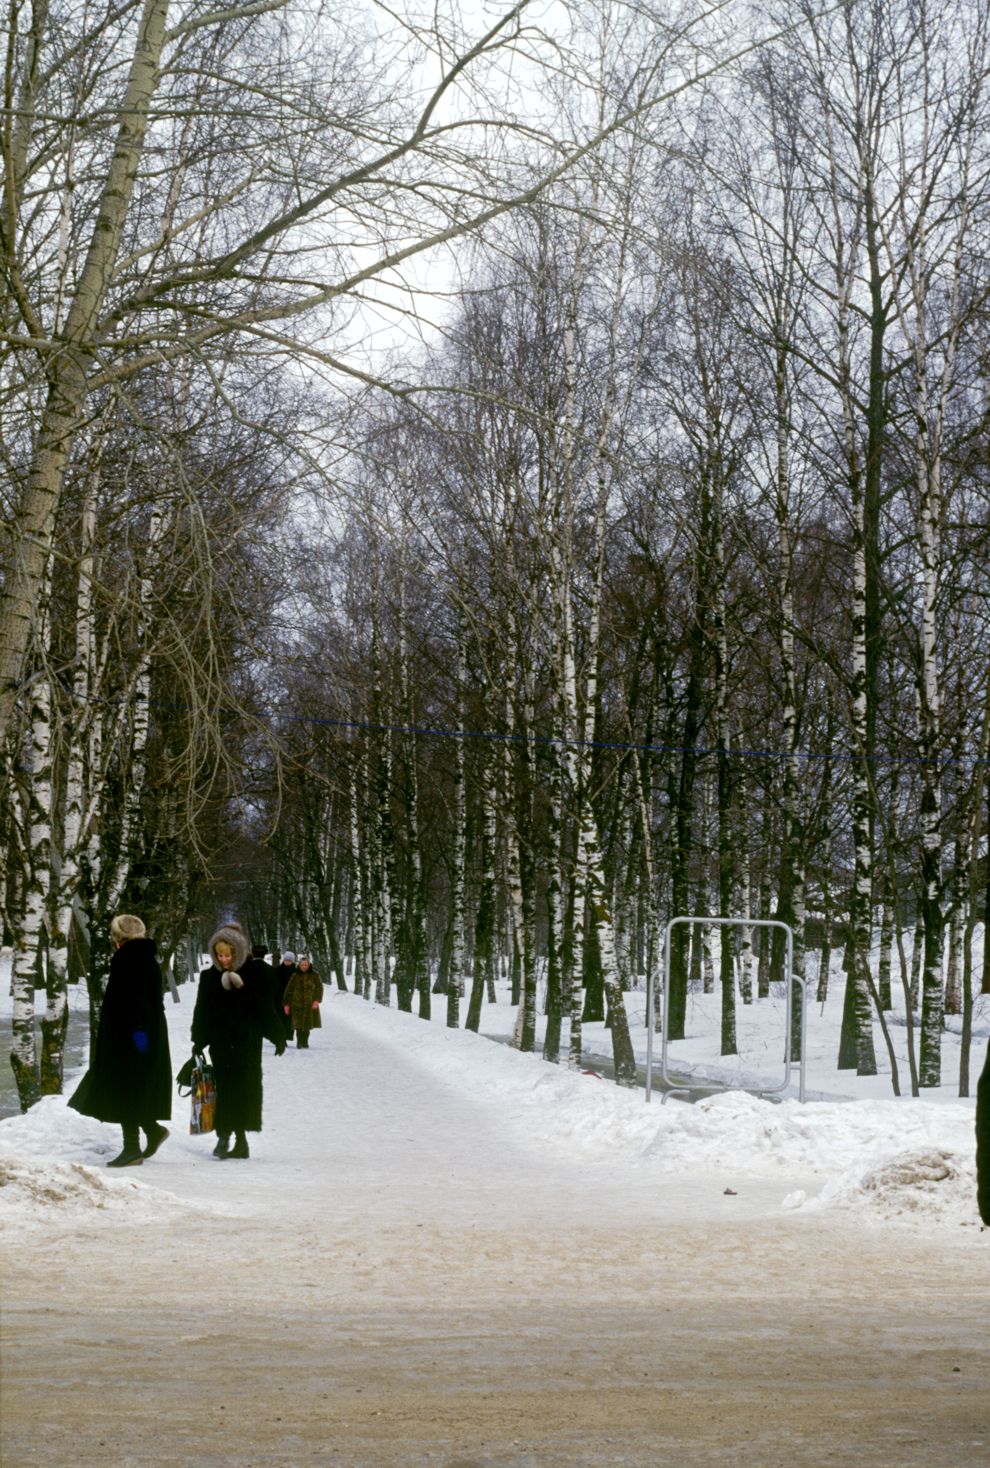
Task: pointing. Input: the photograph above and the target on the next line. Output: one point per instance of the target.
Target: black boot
(240, 1148)
(131, 1154)
(156, 1134)
(222, 1148)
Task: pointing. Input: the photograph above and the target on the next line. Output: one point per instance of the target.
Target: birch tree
(366, 168)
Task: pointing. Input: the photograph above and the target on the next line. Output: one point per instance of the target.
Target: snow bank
(929, 1184)
(44, 1188)
(40, 1170)
(867, 1151)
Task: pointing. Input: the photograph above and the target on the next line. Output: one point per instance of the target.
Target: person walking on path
(129, 1079)
(260, 952)
(283, 974)
(233, 1013)
(301, 1001)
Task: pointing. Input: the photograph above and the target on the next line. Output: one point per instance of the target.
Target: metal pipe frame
(722, 922)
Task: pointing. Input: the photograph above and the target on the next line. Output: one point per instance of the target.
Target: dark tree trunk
(848, 1047)
(594, 988)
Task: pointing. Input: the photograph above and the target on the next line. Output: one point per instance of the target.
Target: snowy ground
(445, 1252)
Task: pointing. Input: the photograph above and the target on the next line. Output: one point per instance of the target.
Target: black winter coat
(232, 1022)
(129, 1077)
(282, 975)
(983, 1142)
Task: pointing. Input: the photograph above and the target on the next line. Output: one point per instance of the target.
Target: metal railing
(671, 1081)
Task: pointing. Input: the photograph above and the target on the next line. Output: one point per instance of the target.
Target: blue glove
(141, 1041)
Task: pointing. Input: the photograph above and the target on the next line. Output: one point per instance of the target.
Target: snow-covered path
(408, 1271)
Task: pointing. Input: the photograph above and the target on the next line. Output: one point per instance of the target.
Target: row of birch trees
(205, 212)
(669, 595)
(656, 586)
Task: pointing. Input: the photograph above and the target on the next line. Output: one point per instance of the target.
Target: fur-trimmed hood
(233, 935)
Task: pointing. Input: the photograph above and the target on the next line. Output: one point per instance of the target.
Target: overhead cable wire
(563, 741)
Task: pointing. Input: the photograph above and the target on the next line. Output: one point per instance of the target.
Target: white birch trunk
(885, 963)
(956, 1002)
(929, 717)
(132, 822)
(793, 817)
(701, 933)
(861, 896)
(726, 862)
(381, 864)
(76, 813)
(67, 369)
(455, 976)
(482, 979)
(575, 1005)
(932, 990)
(746, 955)
(380, 877)
(362, 971)
(29, 959)
(825, 956)
(514, 866)
(556, 997)
(416, 934)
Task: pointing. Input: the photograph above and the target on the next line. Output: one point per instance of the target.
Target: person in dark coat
(129, 1079)
(260, 952)
(234, 1011)
(283, 974)
(301, 1001)
(983, 1141)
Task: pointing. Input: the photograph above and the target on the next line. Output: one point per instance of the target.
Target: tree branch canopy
(285, 135)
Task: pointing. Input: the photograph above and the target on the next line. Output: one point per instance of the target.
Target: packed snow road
(407, 1272)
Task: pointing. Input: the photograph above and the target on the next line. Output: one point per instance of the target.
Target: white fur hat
(288, 957)
(126, 926)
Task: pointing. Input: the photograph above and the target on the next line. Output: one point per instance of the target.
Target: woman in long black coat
(234, 1010)
(129, 1079)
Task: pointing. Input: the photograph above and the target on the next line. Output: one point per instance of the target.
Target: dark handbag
(184, 1079)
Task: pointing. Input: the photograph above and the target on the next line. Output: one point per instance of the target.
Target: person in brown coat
(301, 1001)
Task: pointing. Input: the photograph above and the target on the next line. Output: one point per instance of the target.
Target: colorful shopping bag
(204, 1098)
